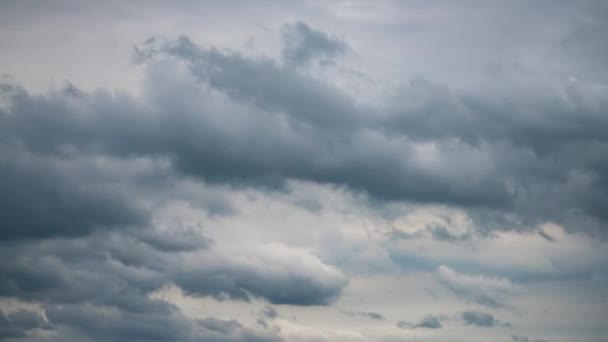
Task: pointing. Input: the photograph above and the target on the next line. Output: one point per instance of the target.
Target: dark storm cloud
(99, 270)
(550, 136)
(28, 320)
(543, 121)
(302, 44)
(311, 145)
(9, 330)
(117, 269)
(76, 215)
(499, 148)
(17, 324)
(98, 287)
(45, 197)
(109, 324)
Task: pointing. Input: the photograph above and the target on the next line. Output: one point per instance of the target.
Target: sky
(303, 171)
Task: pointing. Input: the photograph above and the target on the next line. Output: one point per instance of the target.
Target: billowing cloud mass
(303, 171)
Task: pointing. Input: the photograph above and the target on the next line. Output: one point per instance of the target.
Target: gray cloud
(231, 330)
(482, 319)
(28, 320)
(543, 123)
(101, 270)
(334, 160)
(258, 274)
(303, 44)
(265, 84)
(118, 270)
(265, 314)
(268, 312)
(545, 236)
(312, 146)
(427, 322)
(535, 133)
(19, 323)
(483, 290)
(46, 197)
(496, 158)
(9, 330)
(84, 322)
(441, 233)
(169, 241)
(84, 174)
(518, 338)
(368, 314)
(108, 277)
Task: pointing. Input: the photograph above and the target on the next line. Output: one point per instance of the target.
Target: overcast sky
(303, 171)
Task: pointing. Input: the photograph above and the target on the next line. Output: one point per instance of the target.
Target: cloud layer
(313, 171)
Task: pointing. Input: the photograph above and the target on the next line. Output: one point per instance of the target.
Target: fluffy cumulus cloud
(303, 171)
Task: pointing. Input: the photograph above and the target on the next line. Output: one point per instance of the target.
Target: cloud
(191, 132)
(18, 324)
(45, 197)
(486, 291)
(482, 319)
(443, 234)
(111, 196)
(85, 269)
(175, 240)
(368, 314)
(8, 330)
(268, 312)
(540, 129)
(409, 150)
(303, 44)
(330, 111)
(109, 277)
(545, 236)
(427, 322)
(231, 330)
(107, 323)
(268, 272)
(518, 338)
